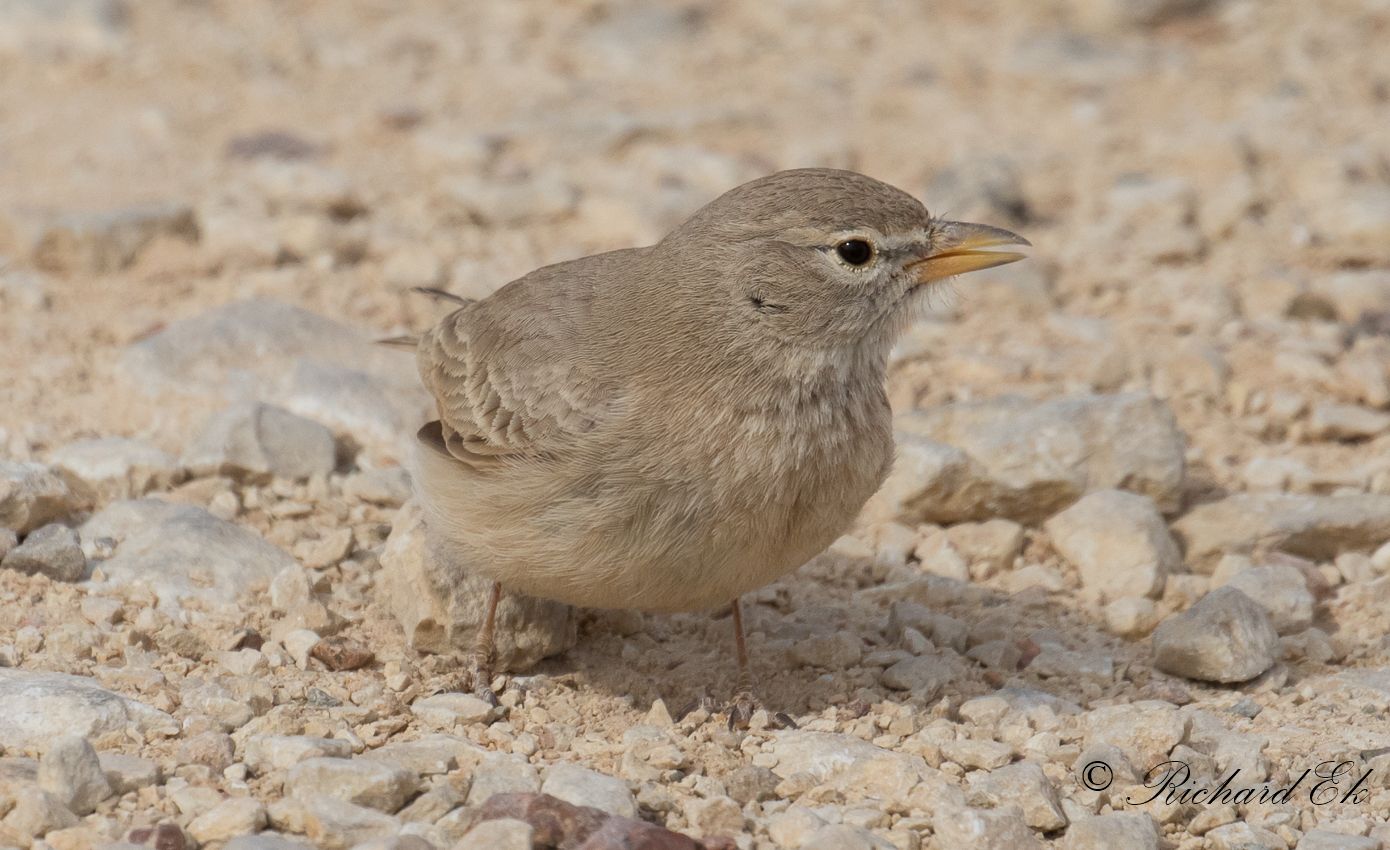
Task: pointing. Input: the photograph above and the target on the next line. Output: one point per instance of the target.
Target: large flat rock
(43, 707)
(1316, 527)
(266, 351)
(1023, 460)
(181, 551)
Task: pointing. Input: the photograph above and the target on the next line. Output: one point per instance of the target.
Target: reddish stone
(620, 833)
(340, 653)
(166, 836)
(1028, 650)
(555, 823)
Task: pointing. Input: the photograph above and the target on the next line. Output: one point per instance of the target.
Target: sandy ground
(1197, 185)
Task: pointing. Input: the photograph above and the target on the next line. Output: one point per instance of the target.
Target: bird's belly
(666, 587)
(669, 552)
(647, 573)
(659, 543)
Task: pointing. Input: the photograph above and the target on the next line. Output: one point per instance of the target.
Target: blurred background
(1208, 185)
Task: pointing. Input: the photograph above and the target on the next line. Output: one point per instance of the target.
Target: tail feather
(404, 343)
(440, 294)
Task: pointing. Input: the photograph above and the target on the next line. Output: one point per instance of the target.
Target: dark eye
(856, 252)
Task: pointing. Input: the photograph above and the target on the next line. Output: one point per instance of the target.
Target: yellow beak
(959, 247)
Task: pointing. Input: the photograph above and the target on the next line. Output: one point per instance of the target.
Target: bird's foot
(476, 678)
(745, 704)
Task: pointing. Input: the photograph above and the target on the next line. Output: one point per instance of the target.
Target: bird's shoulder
(516, 374)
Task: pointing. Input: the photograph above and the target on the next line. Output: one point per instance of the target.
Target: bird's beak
(959, 247)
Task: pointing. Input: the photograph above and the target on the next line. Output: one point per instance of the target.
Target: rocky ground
(1141, 512)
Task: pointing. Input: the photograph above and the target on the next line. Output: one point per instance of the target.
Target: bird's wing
(512, 374)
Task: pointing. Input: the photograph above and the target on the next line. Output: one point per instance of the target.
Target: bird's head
(824, 260)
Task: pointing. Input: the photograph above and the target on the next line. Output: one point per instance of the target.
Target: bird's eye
(856, 252)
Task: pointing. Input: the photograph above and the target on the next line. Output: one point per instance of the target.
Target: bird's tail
(441, 295)
(407, 342)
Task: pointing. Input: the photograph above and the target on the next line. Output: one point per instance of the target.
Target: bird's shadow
(680, 658)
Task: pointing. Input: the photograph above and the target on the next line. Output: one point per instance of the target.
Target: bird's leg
(745, 692)
(745, 700)
(478, 675)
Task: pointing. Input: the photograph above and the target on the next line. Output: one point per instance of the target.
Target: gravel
(280, 354)
(180, 551)
(1306, 525)
(501, 834)
(985, 829)
(1140, 510)
(445, 710)
(337, 824)
(228, 819)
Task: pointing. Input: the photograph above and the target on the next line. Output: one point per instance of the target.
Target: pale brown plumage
(666, 428)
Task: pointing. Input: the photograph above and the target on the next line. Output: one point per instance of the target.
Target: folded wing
(514, 375)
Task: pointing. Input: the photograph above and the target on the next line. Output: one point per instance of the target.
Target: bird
(667, 428)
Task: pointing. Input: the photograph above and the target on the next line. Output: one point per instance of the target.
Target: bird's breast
(788, 461)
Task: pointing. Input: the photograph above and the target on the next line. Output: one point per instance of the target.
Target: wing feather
(513, 375)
